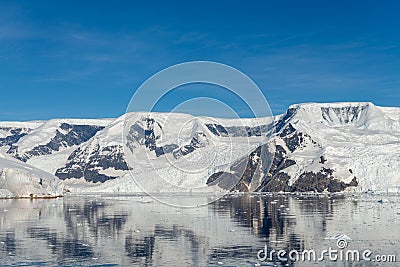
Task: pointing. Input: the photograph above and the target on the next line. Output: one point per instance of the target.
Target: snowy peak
(52, 136)
(334, 114)
(11, 135)
(333, 147)
(363, 115)
(312, 147)
(344, 105)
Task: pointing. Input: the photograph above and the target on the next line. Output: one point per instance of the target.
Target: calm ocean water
(139, 231)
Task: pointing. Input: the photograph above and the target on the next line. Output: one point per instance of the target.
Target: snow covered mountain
(312, 147)
(12, 132)
(163, 152)
(328, 147)
(99, 159)
(47, 144)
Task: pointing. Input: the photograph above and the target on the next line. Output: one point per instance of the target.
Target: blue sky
(87, 58)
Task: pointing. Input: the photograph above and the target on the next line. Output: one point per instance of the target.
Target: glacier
(334, 147)
(317, 147)
(18, 180)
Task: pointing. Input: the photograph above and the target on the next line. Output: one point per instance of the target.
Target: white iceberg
(18, 179)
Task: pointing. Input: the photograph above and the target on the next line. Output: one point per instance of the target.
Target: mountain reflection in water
(138, 231)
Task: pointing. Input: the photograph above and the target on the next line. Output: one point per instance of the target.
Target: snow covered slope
(18, 179)
(33, 142)
(99, 159)
(12, 132)
(162, 151)
(312, 147)
(331, 147)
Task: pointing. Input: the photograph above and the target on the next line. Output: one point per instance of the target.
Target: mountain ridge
(311, 147)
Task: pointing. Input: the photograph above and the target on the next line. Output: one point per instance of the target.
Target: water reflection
(140, 250)
(93, 213)
(8, 243)
(61, 247)
(134, 230)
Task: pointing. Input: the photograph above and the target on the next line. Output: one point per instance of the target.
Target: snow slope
(12, 132)
(334, 147)
(356, 140)
(161, 152)
(47, 144)
(312, 147)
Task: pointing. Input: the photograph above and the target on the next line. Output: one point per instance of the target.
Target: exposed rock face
(320, 182)
(312, 147)
(68, 135)
(289, 114)
(237, 131)
(276, 179)
(245, 174)
(343, 115)
(13, 135)
(199, 140)
(144, 133)
(148, 136)
(92, 163)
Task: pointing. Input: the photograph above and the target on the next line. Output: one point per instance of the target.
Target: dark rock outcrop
(14, 136)
(344, 115)
(272, 177)
(146, 136)
(198, 140)
(75, 135)
(238, 131)
(89, 163)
